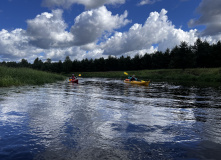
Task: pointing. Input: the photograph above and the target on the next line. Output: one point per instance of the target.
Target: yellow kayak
(146, 83)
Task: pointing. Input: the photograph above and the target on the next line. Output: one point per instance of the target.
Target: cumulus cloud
(142, 52)
(210, 17)
(47, 30)
(94, 54)
(47, 35)
(89, 4)
(175, 36)
(92, 24)
(73, 53)
(15, 45)
(60, 53)
(156, 30)
(144, 2)
(93, 34)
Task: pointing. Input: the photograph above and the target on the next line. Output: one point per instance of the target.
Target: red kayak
(73, 80)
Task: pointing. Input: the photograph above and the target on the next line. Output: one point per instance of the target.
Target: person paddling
(73, 77)
(133, 78)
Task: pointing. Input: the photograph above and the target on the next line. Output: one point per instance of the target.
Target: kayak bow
(73, 81)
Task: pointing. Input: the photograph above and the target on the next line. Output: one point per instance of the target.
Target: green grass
(190, 75)
(26, 76)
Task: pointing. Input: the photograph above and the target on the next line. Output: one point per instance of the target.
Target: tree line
(200, 55)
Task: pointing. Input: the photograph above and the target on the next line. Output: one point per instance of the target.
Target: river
(103, 118)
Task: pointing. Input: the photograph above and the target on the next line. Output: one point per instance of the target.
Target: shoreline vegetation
(195, 75)
(25, 76)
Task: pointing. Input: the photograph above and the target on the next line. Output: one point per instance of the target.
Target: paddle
(125, 73)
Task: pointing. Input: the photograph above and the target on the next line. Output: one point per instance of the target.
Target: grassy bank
(24, 76)
(190, 75)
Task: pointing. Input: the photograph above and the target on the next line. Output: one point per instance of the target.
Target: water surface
(108, 119)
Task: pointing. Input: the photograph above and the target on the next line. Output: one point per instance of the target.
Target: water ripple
(108, 119)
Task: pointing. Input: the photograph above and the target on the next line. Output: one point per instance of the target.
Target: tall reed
(23, 76)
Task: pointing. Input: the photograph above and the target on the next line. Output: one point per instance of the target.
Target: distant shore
(196, 75)
(26, 76)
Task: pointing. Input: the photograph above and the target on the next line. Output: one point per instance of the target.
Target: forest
(200, 55)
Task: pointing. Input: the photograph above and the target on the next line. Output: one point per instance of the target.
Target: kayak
(146, 83)
(73, 81)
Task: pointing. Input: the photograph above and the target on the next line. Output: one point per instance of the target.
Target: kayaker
(133, 78)
(73, 77)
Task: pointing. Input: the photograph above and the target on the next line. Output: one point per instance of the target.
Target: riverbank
(190, 75)
(26, 76)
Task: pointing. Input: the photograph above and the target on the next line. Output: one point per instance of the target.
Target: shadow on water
(108, 119)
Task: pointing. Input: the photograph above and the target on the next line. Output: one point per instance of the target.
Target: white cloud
(60, 53)
(14, 45)
(175, 36)
(46, 35)
(90, 25)
(145, 2)
(89, 4)
(93, 35)
(48, 30)
(156, 30)
(94, 54)
(89, 46)
(140, 52)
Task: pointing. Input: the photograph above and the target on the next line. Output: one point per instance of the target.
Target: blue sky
(98, 28)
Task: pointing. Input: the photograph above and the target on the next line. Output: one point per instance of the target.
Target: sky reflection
(107, 118)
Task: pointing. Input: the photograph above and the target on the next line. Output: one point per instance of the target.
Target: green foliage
(24, 63)
(182, 57)
(67, 65)
(22, 76)
(37, 64)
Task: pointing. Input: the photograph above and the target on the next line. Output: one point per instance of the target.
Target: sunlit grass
(24, 76)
